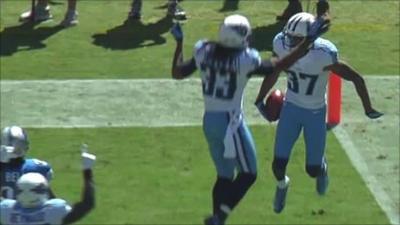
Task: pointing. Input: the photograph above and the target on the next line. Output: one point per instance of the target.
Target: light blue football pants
(294, 119)
(214, 127)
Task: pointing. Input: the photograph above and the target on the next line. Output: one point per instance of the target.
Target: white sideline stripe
(161, 80)
(116, 125)
(358, 161)
(125, 125)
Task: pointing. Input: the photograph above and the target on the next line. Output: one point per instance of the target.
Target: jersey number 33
(219, 84)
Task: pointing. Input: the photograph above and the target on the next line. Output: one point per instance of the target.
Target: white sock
(284, 182)
(225, 209)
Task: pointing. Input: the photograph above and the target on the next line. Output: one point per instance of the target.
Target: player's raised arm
(345, 71)
(180, 69)
(81, 208)
(318, 27)
(275, 65)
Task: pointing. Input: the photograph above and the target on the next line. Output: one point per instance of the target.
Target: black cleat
(212, 220)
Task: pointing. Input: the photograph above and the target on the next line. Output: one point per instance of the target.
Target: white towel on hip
(229, 143)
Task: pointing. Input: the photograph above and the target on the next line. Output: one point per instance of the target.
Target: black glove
(319, 27)
(177, 32)
(262, 109)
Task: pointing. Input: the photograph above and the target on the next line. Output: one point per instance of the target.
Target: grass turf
(165, 175)
(102, 46)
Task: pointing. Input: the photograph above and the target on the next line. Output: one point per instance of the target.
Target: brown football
(274, 104)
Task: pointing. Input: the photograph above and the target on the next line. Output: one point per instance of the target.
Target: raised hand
(319, 27)
(262, 109)
(88, 159)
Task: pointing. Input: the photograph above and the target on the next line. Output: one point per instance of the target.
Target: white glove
(7, 153)
(87, 158)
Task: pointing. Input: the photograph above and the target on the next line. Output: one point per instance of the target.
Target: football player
(14, 146)
(42, 13)
(225, 67)
(33, 205)
(304, 108)
(174, 10)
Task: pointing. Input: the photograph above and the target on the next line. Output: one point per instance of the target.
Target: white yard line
(113, 125)
(372, 183)
(160, 80)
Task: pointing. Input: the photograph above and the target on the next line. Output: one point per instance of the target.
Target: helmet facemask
(297, 28)
(292, 40)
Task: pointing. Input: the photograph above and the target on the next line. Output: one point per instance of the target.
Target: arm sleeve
(198, 51)
(251, 62)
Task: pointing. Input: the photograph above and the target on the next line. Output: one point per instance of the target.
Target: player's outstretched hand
(262, 109)
(177, 32)
(319, 27)
(373, 114)
(88, 159)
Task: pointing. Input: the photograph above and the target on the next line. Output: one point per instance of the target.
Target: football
(274, 105)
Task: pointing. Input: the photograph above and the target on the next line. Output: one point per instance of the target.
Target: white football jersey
(224, 74)
(306, 79)
(52, 211)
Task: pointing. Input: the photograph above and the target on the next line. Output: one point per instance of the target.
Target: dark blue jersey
(11, 171)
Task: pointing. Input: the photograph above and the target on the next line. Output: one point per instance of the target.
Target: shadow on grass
(25, 37)
(230, 5)
(134, 34)
(262, 37)
(165, 5)
(51, 2)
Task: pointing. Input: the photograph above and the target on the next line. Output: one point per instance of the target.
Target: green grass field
(164, 175)
(169, 182)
